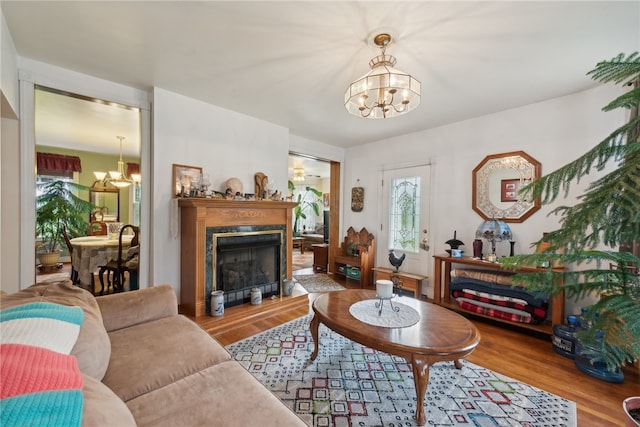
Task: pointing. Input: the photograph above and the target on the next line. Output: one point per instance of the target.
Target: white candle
(384, 288)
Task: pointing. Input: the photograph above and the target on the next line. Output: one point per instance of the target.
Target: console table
(442, 278)
(409, 281)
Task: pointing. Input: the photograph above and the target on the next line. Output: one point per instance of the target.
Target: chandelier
(384, 91)
(298, 174)
(118, 177)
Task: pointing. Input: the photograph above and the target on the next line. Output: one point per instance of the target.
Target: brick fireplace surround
(196, 215)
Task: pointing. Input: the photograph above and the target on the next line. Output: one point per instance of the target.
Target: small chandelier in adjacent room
(384, 91)
(298, 174)
(118, 177)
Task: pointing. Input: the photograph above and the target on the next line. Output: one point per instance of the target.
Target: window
(404, 214)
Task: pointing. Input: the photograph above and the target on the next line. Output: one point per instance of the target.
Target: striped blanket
(40, 382)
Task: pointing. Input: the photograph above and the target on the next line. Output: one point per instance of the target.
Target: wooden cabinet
(406, 281)
(320, 257)
(442, 278)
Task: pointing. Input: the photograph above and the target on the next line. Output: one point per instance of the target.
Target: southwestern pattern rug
(318, 282)
(352, 385)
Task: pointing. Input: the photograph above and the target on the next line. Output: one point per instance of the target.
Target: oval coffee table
(439, 335)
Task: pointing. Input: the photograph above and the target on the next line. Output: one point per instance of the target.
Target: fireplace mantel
(196, 214)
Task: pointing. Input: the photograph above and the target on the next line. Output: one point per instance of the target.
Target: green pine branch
(608, 212)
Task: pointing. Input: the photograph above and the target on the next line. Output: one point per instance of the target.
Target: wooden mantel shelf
(198, 202)
(197, 214)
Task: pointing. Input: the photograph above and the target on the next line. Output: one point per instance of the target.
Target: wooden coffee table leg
(458, 363)
(315, 323)
(421, 380)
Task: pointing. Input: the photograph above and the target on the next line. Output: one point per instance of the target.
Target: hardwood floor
(514, 353)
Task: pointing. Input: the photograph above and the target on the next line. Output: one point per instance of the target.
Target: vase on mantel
(512, 243)
(477, 248)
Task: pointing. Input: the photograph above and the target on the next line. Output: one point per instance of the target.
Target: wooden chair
(97, 228)
(357, 250)
(117, 269)
(74, 273)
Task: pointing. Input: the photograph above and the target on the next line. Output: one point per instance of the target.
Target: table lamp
(493, 231)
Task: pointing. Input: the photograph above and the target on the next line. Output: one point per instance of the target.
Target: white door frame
(69, 81)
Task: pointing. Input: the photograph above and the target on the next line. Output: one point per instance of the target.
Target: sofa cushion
(92, 348)
(102, 407)
(222, 395)
(152, 355)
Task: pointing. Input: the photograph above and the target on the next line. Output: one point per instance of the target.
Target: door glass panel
(404, 214)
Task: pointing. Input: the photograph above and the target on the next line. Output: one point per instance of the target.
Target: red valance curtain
(133, 168)
(58, 162)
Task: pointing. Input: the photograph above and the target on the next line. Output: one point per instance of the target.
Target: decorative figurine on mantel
(261, 181)
(454, 243)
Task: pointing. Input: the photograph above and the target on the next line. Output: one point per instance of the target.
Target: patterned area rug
(318, 282)
(351, 385)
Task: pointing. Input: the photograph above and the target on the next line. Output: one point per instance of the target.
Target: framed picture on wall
(184, 177)
(509, 190)
(325, 199)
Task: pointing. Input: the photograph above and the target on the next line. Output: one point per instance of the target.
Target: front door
(405, 218)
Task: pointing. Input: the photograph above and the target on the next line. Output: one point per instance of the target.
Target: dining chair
(116, 270)
(97, 228)
(74, 273)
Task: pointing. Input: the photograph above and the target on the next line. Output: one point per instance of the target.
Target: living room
(227, 142)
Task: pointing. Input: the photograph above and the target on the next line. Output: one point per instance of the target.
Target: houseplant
(304, 201)
(607, 214)
(57, 201)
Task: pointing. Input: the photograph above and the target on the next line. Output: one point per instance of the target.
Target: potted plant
(303, 203)
(607, 214)
(57, 202)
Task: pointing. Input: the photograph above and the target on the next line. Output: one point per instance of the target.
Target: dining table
(92, 252)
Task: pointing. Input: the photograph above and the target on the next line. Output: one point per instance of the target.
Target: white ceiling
(290, 62)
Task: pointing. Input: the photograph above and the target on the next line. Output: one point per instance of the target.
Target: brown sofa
(144, 364)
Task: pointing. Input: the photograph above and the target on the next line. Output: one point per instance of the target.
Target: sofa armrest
(133, 308)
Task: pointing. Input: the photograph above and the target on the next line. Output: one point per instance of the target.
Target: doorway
(97, 135)
(325, 176)
(106, 93)
(405, 216)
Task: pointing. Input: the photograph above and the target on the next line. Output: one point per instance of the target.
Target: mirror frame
(99, 187)
(481, 203)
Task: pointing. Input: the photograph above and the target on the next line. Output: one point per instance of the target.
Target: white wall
(8, 66)
(553, 132)
(224, 143)
(10, 167)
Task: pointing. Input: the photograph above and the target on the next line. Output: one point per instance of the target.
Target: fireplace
(244, 260)
(201, 219)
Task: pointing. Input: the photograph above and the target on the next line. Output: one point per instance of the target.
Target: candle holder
(380, 304)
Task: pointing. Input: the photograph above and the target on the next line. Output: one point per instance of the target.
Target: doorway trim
(69, 81)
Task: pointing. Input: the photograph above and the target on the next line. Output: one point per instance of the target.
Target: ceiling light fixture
(298, 174)
(118, 177)
(384, 91)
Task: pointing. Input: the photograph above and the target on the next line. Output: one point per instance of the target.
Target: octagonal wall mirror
(496, 183)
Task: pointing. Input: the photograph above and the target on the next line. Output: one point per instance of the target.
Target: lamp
(384, 91)
(494, 231)
(118, 177)
(298, 174)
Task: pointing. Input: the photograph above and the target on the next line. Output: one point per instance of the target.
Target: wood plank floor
(517, 354)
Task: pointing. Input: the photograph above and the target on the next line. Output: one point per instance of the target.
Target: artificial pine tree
(608, 214)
